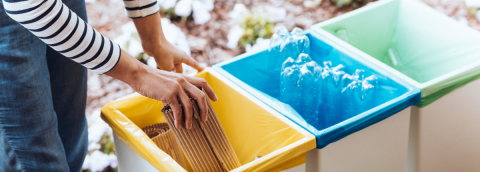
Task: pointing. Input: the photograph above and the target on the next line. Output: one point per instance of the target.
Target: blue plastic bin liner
(259, 74)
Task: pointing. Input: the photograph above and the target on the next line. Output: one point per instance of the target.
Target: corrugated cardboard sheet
(206, 144)
(163, 137)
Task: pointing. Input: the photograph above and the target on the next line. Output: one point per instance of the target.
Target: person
(45, 48)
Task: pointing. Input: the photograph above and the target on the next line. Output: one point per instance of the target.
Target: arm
(155, 44)
(60, 28)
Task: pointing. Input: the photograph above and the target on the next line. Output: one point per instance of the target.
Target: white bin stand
(129, 161)
(445, 135)
(381, 147)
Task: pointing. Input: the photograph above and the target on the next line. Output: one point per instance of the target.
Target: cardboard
(206, 144)
(163, 137)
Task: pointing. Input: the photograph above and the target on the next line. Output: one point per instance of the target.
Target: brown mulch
(208, 41)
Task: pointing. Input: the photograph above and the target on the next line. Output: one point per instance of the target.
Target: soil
(208, 41)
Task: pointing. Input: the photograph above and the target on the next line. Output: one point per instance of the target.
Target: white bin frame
(430, 146)
(129, 161)
(445, 135)
(381, 147)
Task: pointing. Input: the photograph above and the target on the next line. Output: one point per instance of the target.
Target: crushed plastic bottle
(300, 87)
(322, 95)
(284, 44)
(397, 63)
(368, 87)
(331, 77)
(342, 34)
(278, 39)
(300, 42)
(349, 97)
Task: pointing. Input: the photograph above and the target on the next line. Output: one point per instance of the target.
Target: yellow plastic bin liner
(253, 128)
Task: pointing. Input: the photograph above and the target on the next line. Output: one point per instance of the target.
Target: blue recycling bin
(346, 138)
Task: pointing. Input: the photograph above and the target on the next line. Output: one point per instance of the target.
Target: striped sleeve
(60, 28)
(141, 8)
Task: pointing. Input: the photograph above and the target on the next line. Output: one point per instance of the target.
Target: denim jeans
(42, 102)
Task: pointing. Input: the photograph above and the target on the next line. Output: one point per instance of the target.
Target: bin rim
(308, 136)
(339, 131)
(427, 88)
(306, 143)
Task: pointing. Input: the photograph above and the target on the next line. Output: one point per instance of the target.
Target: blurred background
(212, 31)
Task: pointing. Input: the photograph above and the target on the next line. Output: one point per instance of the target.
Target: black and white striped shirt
(60, 28)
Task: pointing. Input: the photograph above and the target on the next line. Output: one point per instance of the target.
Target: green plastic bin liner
(430, 50)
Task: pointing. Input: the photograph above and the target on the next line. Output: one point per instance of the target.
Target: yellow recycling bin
(263, 139)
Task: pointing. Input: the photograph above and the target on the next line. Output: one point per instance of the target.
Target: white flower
(175, 35)
(151, 62)
(478, 15)
(311, 3)
(259, 45)
(172, 33)
(86, 162)
(234, 36)
(183, 8)
(472, 3)
(113, 161)
(122, 40)
(134, 48)
(93, 146)
(201, 9)
(129, 28)
(276, 14)
(98, 161)
(167, 4)
(208, 4)
(187, 70)
(97, 127)
(238, 12)
(200, 13)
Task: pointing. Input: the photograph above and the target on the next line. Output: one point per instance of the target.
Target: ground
(208, 41)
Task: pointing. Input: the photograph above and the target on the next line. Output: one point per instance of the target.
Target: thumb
(164, 64)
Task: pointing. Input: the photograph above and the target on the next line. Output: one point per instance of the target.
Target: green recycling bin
(434, 53)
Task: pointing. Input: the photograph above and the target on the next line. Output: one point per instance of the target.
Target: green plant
(351, 3)
(142, 57)
(473, 11)
(256, 25)
(170, 14)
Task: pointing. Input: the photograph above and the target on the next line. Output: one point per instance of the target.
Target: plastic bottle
(300, 42)
(278, 40)
(300, 87)
(350, 101)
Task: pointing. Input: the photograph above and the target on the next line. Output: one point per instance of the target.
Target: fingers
(178, 68)
(198, 95)
(191, 62)
(177, 113)
(187, 107)
(200, 82)
(165, 64)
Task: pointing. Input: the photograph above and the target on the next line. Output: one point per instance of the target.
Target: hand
(170, 88)
(154, 43)
(170, 57)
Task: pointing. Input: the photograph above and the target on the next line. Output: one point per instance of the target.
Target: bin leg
(412, 154)
(312, 162)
